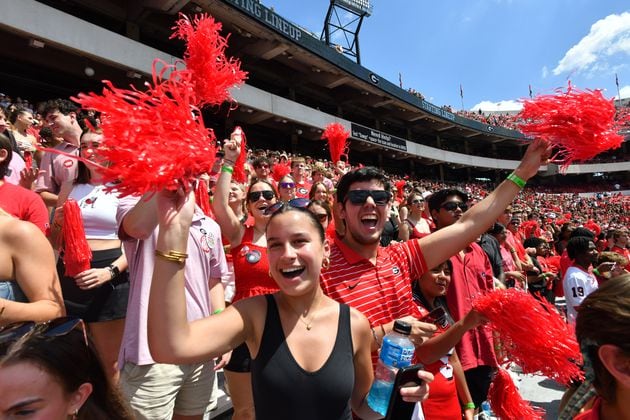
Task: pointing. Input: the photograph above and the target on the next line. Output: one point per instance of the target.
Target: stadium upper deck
(296, 83)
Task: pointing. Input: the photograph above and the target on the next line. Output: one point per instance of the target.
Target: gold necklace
(309, 323)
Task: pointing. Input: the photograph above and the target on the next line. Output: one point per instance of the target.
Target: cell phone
(437, 317)
(399, 409)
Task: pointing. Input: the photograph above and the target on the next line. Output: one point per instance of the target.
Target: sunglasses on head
(254, 196)
(298, 203)
(54, 328)
(287, 185)
(380, 197)
(452, 206)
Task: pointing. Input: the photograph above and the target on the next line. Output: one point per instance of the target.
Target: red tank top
(251, 269)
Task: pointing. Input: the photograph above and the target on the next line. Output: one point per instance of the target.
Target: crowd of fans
(174, 291)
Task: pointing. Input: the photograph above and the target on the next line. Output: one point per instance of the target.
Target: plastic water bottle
(485, 412)
(396, 352)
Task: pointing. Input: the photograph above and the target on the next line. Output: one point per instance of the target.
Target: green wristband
(227, 169)
(469, 406)
(596, 272)
(217, 311)
(520, 182)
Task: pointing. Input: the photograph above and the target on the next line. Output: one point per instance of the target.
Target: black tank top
(285, 391)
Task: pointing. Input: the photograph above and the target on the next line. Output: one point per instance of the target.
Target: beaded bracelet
(520, 182)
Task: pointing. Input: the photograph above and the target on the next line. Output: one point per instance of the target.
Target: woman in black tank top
(310, 355)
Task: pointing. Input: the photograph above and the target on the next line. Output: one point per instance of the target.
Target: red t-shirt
(593, 413)
(381, 291)
(471, 278)
(25, 205)
(302, 189)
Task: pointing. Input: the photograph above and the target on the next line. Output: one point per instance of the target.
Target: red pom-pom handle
(77, 253)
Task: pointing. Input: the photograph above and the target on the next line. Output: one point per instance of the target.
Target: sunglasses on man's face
(453, 205)
(254, 196)
(380, 197)
(261, 167)
(53, 328)
(296, 202)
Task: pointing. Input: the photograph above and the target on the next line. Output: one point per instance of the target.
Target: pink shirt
(55, 169)
(15, 167)
(206, 260)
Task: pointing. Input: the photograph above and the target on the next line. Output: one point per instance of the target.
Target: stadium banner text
(370, 135)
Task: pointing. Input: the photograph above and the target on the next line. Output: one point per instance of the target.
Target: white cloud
(545, 72)
(608, 36)
(509, 105)
(624, 92)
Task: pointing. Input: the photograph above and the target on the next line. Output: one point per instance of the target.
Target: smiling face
(434, 283)
(236, 194)
(320, 192)
(89, 143)
(296, 251)
(257, 207)
(364, 222)
(60, 124)
(28, 391)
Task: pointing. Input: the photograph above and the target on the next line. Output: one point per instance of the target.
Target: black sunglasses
(54, 328)
(417, 201)
(452, 206)
(298, 203)
(380, 197)
(254, 196)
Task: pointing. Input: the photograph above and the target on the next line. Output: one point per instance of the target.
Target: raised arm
(446, 242)
(141, 220)
(172, 339)
(35, 273)
(230, 224)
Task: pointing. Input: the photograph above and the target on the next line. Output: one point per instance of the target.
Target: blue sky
(494, 48)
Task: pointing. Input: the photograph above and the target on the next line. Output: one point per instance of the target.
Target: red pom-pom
(337, 137)
(579, 124)
(533, 334)
(213, 73)
(28, 160)
(239, 174)
(152, 140)
(202, 198)
(280, 170)
(507, 403)
(77, 253)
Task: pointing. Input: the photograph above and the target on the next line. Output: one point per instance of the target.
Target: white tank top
(98, 210)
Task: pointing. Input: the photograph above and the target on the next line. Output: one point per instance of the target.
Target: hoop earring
(326, 263)
(269, 272)
(75, 414)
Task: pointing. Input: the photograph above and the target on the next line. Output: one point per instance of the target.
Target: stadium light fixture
(342, 24)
